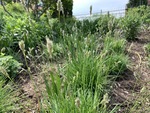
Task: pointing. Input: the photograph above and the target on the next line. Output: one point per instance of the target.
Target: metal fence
(116, 13)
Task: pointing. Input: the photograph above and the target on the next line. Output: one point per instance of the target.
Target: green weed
(8, 98)
(9, 67)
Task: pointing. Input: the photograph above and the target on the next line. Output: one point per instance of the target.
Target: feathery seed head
(49, 46)
(59, 5)
(77, 102)
(22, 45)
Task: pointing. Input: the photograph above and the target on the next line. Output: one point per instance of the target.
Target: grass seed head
(59, 5)
(77, 102)
(22, 45)
(49, 46)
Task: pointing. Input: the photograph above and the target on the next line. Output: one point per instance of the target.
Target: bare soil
(128, 90)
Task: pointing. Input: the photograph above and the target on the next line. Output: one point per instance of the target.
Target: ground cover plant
(83, 58)
(9, 67)
(8, 99)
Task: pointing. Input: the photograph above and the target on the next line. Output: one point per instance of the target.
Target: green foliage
(9, 67)
(141, 12)
(87, 72)
(61, 98)
(147, 48)
(115, 58)
(85, 77)
(106, 24)
(144, 14)
(49, 5)
(114, 45)
(133, 20)
(87, 27)
(2, 23)
(136, 3)
(24, 28)
(16, 9)
(68, 7)
(92, 51)
(8, 98)
(129, 26)
(117, 63)
(77, 43)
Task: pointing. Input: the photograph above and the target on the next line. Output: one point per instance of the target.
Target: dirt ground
(128, 91)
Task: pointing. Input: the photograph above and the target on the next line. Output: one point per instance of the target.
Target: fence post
(91, 10)
(108, 13)
(101, 12)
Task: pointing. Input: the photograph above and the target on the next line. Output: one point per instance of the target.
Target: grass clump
(63, 99)
(87, 71)
(82, 86)
(105, 24)
(114, 45)
(8, 98)
(115, 58)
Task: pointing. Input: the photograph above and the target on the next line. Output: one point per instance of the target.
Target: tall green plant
(61, 98)
(87, 72)
(129, 26)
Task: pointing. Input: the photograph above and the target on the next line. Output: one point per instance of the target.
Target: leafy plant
(147, 48)
(106, 24)
(16, 9)
(129, 26)
(9, 66)
(136, 3)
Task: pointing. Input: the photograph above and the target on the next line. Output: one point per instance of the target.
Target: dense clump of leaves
(9, 67)
(136, 3)
(129, 26)
(105, 24)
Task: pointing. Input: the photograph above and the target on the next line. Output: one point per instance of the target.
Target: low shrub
(106, 23)
(17, 29)
(9, 67)
(16, 9)
(130, 25)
